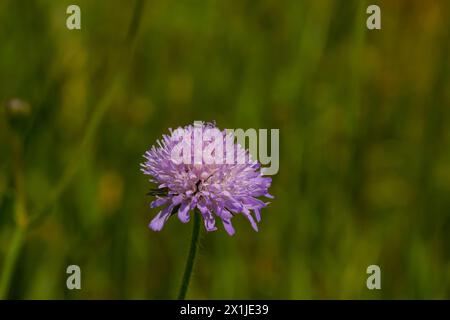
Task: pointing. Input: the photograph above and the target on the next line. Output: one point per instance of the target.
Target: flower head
(217, 176)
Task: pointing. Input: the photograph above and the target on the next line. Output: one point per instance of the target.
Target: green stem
(191, 257)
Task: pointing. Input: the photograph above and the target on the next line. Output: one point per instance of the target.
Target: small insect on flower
(216, 188)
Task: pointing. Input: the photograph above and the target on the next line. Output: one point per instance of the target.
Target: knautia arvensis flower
(218, 177)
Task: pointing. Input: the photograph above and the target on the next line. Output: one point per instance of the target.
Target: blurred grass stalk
(20, 214)
(10, 262)
(20, 217)
(103, 104)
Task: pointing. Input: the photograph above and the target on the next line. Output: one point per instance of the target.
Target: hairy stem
(191, 257)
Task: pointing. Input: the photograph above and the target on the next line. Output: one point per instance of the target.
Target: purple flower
(224, 187)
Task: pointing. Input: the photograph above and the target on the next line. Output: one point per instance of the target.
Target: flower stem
(191, 257)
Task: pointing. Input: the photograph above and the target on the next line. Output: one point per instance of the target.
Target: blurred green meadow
(364, 146)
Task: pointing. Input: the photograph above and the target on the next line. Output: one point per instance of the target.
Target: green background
(364, 146)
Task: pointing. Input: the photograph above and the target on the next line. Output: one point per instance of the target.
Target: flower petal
(208, 218)
(183, 213)
(228, 227)
(177, 199)
(158, 222)
(250, 218)
(158, 202)
(257, 215)
(210, 223)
